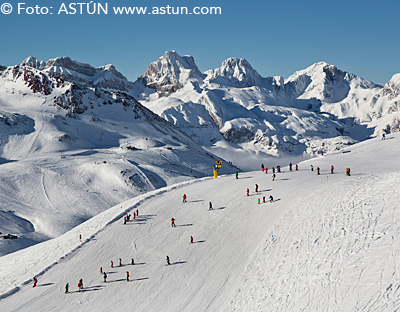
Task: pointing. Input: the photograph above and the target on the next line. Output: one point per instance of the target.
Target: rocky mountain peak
(111, 68)
(238, 71)
(32, 61)
(66, 62)
(170, 73)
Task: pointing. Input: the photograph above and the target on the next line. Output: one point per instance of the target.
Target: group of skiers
(184, 200)
(80, 286)
(127, 218)
(80, 283)
(278, 169)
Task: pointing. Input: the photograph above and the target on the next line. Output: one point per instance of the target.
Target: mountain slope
(70, 150)
(245, 256)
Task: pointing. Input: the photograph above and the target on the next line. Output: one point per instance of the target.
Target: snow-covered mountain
(170, 73)
(233, 111)
(55, 119)
(237, 71)
(73, 71)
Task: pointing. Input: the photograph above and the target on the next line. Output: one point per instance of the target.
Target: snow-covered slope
(328, 242)
(235, 112)
(69, 151)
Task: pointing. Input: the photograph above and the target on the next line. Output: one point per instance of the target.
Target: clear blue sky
(276, 37)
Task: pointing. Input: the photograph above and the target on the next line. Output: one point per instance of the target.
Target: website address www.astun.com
(93, 8)
(169, 10)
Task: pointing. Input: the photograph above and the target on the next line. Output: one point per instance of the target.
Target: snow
(268, 117)
(76, 161)
(327, 243)
(57, 172)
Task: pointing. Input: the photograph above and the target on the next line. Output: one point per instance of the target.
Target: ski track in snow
(340, 245)
(53, 187)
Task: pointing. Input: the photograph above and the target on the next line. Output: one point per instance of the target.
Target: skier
(273, 176)
(81, 282)
(262, 167)
(263, 199)
(210, 206)
(237, 175)
(120, 262)
(266, 170)
(34, 281)
(112, 264)
(127, 276)
(383, 135)
(173, 222)
(279, 168)
(191, 239)
(105, 277)
(184, 198)
(312, 167)
(273, 169)
(271, 199)
(297, 167)
(332, 169)
(124, 220)
(290, 166)
(101, 270)
(256, 188)
(80, 238)
(348, 171)
(318, 170)
(133, 262)
(137, 212)
(248, 192)
(168, 261)
(79, 286)
(67, 288)
(258, 201)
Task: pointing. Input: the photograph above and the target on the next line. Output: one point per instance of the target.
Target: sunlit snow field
(327, 243)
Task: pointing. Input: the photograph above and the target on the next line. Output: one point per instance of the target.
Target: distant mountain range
(232, 111)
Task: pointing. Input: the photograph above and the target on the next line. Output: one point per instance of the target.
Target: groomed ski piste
(328, 242)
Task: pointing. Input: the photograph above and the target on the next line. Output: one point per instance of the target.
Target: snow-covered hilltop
(237, 71)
